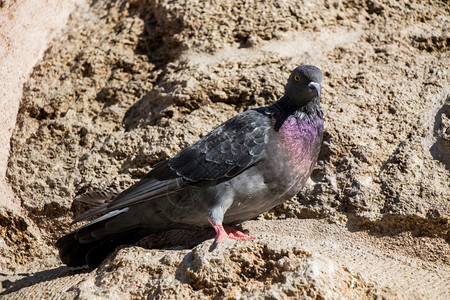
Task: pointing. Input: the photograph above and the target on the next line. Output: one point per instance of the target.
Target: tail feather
(71, 252)
(74, 253)
(91, 243)
(97, 197)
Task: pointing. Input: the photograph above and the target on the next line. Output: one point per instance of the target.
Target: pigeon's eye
(297, 77)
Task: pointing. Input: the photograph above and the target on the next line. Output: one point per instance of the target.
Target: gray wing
(224, 152)
(98, 197)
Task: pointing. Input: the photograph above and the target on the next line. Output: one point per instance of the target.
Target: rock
(236, 270)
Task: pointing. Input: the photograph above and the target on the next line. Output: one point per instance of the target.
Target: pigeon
(249, 164)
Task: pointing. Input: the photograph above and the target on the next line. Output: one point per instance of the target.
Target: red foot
(229, 232)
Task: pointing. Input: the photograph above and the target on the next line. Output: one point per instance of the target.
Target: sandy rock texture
(26, 29)
(130, 83)
(295, 258)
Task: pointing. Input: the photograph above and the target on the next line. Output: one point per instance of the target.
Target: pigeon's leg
(220, 232)
(228, 232)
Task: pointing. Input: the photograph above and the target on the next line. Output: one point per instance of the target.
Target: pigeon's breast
(287, 163)
(300, 138)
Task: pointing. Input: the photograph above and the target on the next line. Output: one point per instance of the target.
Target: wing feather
(227, 150)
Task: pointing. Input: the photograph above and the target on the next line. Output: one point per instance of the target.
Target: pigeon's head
(304, 85)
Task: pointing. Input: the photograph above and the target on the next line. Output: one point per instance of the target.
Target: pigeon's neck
(285, 108)
(289, 106)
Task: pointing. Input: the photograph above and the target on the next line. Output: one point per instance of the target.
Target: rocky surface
(130, 83)
(291, 259)
(26, 29)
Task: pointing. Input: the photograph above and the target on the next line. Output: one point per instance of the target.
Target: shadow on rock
(391, 225)
(148, 110)
(176, 239)
(441, 148)
(160, 40)
(31, 279)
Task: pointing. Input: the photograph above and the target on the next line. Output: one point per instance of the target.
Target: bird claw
(229, 232)
(238, 235)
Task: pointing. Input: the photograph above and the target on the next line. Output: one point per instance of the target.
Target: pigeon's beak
(315, 86)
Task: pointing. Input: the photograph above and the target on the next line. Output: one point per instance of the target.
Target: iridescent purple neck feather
(300, 134)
